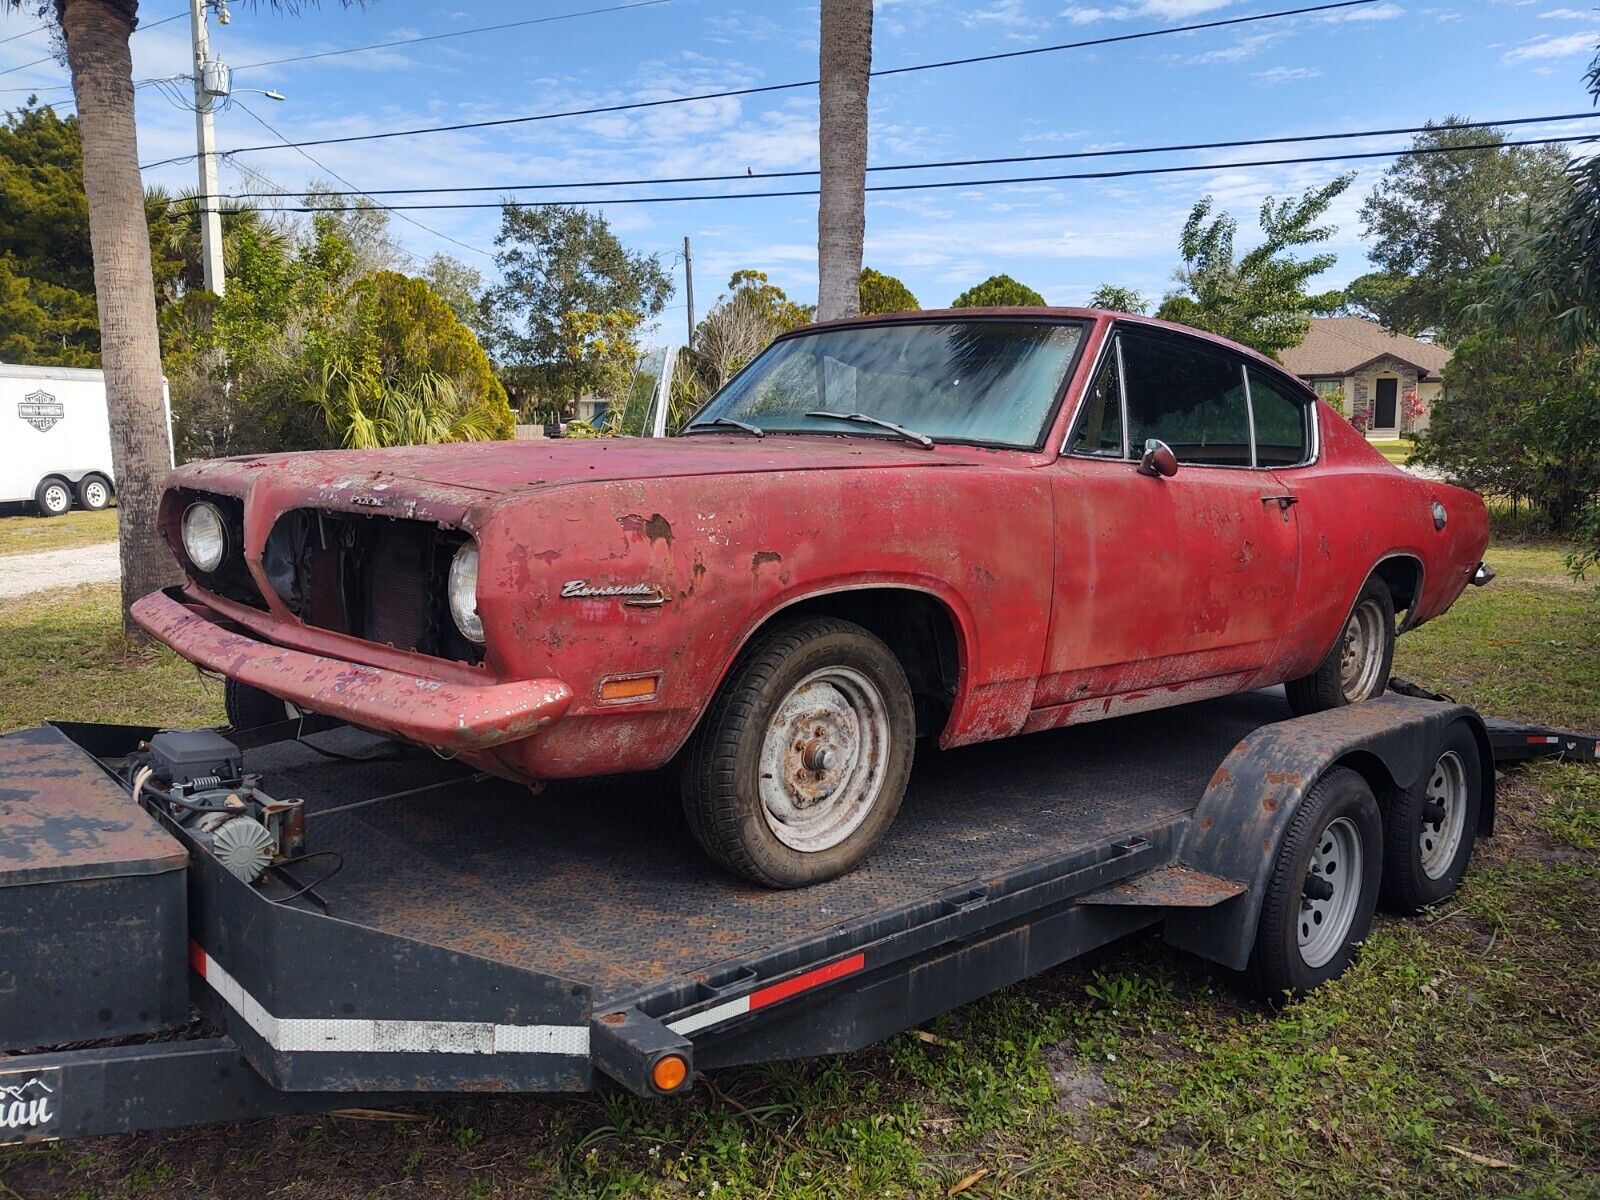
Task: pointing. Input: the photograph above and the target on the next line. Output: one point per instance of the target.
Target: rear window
(1281, 422)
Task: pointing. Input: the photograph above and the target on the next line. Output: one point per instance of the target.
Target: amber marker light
(669, 1072)
(640, 687)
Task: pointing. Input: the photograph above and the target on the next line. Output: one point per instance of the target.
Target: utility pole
(210, 80)
(688, 288)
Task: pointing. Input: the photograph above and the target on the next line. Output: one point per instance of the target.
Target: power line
(66, 87)
(436, 37)
(976, 183)
(26, 65)
(1588, 115)
(323, 166)
(24, 33)
(769, 88)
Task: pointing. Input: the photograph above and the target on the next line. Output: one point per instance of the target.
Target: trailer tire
(247, 707)
(1423, 863)
(94, 493)
(53, 497)
(1334, 843)
(1357, 667)
(753, 787)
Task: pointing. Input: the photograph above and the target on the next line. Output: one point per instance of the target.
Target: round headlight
(463, 589)
(205, 536)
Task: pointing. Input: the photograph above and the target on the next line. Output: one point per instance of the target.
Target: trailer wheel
(94, 492)
(248, 707)
(53, 497)
(799, 765)
(1430, 830)
(1357, 668)
(1319, 899)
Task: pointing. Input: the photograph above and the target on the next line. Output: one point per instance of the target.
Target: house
(1385, 383)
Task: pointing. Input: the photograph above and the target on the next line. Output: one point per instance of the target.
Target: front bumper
(448, 716)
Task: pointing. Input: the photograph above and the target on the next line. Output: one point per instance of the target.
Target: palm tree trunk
(846, 63)
(130, 350)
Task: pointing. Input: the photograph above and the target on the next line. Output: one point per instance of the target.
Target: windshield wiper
(732, 422)
(910, 435)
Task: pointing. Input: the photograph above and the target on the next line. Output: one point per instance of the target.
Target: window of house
(1100, 426)
(1331, 390)
(1281, 426)
(1188, 396)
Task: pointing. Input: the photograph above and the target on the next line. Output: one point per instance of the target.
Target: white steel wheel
(1364, 651)
(94, 493)
(53, 498)
(1444, 816)
(1331, 894)
(823, 759)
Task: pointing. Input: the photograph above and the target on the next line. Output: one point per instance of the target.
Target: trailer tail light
(669, 1073)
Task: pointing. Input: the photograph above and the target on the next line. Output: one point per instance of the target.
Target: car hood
(503, 468)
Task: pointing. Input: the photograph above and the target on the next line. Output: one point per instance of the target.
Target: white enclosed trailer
(56, 444)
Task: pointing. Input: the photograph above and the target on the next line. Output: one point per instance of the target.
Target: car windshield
(990, 381)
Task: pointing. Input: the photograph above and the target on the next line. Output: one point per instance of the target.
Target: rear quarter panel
(730, 551)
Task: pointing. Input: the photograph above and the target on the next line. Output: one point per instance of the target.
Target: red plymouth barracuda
(962, 525)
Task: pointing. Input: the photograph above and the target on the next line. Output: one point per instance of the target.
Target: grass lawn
(1459, 1058)
(1396, 450)
(25, 533)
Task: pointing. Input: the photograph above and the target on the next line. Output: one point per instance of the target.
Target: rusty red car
(959, 525)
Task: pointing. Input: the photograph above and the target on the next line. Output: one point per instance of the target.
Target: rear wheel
(53, 497)
(1320, 897)
(1429, 831)
(1357, 668)
(94, 492)
(248, 707)
(799, 766)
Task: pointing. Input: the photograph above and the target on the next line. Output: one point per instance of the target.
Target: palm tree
(846, 64)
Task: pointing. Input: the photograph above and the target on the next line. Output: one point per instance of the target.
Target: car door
(1162, 582)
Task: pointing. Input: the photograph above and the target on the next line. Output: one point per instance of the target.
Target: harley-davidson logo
(41, 410)
(28, 1106)
(636, 595)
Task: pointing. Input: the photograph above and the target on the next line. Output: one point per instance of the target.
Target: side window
(1100, 426)
(1190, 397)
(1281, 425)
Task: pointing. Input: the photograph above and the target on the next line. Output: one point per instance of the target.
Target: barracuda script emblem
(635, 595)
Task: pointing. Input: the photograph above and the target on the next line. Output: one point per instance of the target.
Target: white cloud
(1276, 75)
(1165, 10)
(1370, 12)
(1553, 46)
(1566, 14)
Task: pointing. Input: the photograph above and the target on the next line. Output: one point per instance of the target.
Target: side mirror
(1158, 459)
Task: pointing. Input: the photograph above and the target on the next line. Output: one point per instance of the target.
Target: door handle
(1283, 502)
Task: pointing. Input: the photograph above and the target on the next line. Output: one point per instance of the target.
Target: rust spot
(1286, 780)
(1323, 547)
(1222, 778)
(1269, 802)
(548, 556)
(1246, 553)
(614, 1018)
(764, 556)
(1207, 822)
(656, 527)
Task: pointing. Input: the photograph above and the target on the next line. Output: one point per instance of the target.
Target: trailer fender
(1241, 819)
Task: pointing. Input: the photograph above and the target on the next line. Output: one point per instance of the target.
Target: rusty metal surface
(62, 818)
(1171, 887)
(600, 881)
(1077, 589)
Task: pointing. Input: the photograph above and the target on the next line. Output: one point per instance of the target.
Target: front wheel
(1319, 899)
(799, 766)
(1357, 668)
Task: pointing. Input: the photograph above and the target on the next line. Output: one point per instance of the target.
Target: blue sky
(1388, 64)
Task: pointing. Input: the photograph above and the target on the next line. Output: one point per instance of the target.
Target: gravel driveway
(21, 574)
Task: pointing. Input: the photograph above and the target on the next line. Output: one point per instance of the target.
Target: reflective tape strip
(359, 1035)
(770, 994)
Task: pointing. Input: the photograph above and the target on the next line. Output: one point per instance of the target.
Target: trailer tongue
(245, 925)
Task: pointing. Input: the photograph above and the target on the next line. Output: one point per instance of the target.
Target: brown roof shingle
(1340, 345)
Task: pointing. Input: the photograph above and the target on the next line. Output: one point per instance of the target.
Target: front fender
(1240, 821)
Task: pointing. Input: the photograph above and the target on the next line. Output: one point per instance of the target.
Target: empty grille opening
(375, 578)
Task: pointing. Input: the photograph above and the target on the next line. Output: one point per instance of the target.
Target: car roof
(1051, 313)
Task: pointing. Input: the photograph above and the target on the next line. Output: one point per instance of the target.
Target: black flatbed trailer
(446, 933)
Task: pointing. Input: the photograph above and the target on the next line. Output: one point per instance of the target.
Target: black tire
(1418, 870)
(53, 497)
(1326, 687)
(94, 493)
(248, 707)
(1340, 802)
(721, 781)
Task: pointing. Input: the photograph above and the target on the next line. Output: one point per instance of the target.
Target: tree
(882, 293)
(461, 287)
(1113, 298)
(999, 291)
(1436, 218)
(1261, 298)
(845, 59)
(555, 261)
(739, 326)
